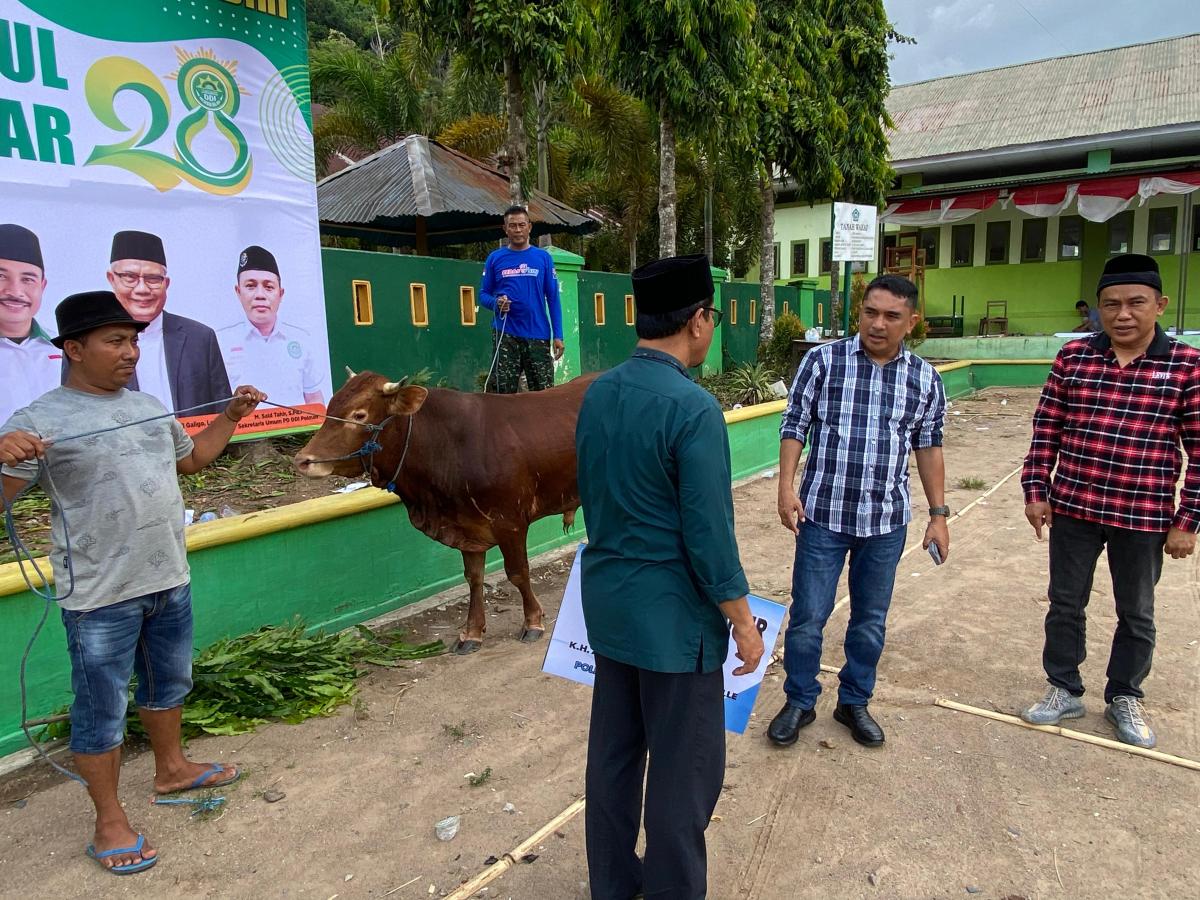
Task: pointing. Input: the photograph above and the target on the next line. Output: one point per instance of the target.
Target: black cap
(1130, 268)
(20, 245)
(80, 313)
(256, 259)
(675, 282)
(138, 245)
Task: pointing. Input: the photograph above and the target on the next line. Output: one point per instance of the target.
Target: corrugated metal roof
(1125, 89)
(460, 198)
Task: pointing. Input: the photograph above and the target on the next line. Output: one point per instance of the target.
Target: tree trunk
(666, 185)
(835, 298)
(708, 217)
(541, 99)
(633, 250)
(766, 279)
(377, 44)
(514, 108)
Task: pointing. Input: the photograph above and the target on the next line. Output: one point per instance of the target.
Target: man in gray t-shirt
(108, 458)
(118, 493)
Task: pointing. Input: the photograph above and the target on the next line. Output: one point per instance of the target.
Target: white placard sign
(570, 655)
(854, 229)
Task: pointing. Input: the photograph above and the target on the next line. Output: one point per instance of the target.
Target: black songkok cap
(20, 245)
(138, 245)
(81, 313)
(675, 282)
(1130, 268)
(256, 259)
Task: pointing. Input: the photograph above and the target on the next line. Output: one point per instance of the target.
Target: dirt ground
(953, 805)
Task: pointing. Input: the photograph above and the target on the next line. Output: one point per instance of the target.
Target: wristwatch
(939, 511)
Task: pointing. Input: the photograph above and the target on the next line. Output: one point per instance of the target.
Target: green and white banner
(163, 149)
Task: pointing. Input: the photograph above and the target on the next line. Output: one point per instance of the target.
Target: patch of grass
(971, 483)
(481, 778)
(457, 732)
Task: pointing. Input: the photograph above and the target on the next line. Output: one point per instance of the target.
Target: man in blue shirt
(1091, 317)
(520, 287)
(662, 589)
(861, 405)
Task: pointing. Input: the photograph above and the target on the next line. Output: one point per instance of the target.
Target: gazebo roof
(418, 188)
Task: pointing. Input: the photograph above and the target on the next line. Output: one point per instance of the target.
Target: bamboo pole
(1098, 741)
(498, 868)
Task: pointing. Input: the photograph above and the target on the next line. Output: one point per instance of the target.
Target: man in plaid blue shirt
(860, 405)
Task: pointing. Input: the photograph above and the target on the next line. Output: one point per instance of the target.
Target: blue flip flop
(214, 769)
(131, 868)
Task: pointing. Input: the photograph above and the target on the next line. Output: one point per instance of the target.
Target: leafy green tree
(608, 146)
(370, 101)
(516, 38)
(859, 38)
(687, 59)
(798, 122)
(352, 18)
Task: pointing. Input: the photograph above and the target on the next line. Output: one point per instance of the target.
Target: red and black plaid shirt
(1115, 434)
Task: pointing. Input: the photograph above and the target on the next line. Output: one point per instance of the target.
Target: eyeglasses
(131, 279)
(717, 315)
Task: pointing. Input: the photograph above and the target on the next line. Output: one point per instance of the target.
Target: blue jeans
(820, 556)
(149, 635)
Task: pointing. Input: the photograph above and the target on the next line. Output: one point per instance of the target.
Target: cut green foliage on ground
(280, 673)
(971, 483)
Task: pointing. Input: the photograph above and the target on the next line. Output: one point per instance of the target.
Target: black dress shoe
(785, 727)
(862, 727)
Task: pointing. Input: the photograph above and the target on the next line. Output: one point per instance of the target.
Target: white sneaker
(1053, 708)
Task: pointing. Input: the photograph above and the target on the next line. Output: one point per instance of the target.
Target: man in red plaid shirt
(1113, 413)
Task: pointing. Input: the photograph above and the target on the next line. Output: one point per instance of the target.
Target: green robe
(655, 483)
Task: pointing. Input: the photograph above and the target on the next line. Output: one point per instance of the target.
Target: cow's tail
(569, 520)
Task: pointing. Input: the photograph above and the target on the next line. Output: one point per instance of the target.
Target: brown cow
(473, 470)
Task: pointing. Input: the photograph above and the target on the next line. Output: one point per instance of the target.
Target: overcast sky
(967, 35)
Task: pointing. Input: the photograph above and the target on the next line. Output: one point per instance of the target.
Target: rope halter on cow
(371, 446)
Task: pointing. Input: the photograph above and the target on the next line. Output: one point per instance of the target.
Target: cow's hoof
(463, 648)
(532, 635)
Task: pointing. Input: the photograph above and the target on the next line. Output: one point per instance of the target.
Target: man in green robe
(662, 588)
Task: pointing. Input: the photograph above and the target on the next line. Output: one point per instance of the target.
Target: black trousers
(679, 719)
(1135, 559)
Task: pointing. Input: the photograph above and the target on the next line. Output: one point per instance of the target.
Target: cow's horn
(350, 373)
(391, 387)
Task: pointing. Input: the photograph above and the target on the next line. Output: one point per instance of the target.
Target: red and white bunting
(1178, 183)
(1046, 200)
(938, 211)
(1097, 200)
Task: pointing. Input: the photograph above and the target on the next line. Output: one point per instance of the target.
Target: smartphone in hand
(935, 554)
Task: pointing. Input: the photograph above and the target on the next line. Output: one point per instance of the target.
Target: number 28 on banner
(211, 96)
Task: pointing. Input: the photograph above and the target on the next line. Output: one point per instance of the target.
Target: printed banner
(570, 656)
(162, 149)
(853, 232)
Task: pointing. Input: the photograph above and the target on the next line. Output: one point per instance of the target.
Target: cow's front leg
(470, 638)
(516, 567)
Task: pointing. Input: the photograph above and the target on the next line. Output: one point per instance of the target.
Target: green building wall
(1040, 295)
(392, 344)
(602, 346)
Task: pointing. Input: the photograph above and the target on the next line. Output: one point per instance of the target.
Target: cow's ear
(406, 401)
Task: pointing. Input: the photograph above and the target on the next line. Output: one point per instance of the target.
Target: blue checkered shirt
(859, 421)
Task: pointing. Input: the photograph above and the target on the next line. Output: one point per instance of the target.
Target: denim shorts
(149, 635)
